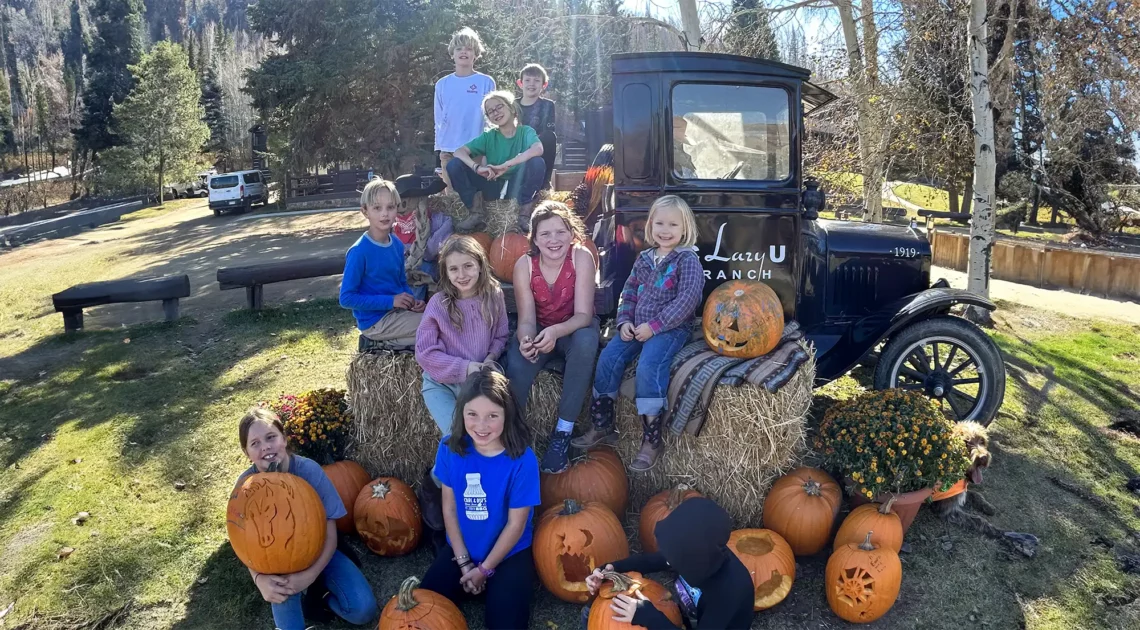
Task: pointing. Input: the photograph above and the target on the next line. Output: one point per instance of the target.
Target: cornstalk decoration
(985, 163)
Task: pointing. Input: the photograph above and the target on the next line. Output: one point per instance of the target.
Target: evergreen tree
(43, 119)
(7, 135)
(750, 32)
(190, 53)
(160, 122)
(74, 44)
(116, 45)
(215, 111)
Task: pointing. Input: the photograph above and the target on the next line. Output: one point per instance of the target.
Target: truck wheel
(217, 212)
(950, 360)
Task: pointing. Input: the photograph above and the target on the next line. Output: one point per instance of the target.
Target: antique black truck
(725, 133)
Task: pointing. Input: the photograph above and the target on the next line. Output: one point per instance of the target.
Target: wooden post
(73, 320)
(170, 309)
(253, 296)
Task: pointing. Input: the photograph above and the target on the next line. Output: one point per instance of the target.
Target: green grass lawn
(116, 418)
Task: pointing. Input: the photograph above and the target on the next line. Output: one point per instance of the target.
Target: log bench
(71, 302)
(931, 215)
(253, 277)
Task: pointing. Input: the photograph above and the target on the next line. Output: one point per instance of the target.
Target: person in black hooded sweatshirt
(692, 541)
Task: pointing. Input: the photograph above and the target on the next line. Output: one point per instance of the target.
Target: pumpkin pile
(572, 540)
(276, 523)
(387, 516)
(630, 584)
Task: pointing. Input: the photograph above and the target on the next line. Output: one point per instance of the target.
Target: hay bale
(750, 438)
(449, 203)
(393, 432)
(501, 215)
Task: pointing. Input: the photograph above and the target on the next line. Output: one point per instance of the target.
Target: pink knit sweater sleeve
(502, 330)
(431, 352)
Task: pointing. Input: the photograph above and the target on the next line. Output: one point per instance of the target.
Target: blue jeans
(522, 185)
(652, 370)
(439, 398)
(577, 350)
(350, 597)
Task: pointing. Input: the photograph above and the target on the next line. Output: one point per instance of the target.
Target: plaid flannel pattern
(664, 296)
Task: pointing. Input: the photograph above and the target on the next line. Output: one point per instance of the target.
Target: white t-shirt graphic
(474, 499)
(459, 109)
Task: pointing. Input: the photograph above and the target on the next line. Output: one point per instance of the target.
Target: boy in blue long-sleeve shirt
(375, 285)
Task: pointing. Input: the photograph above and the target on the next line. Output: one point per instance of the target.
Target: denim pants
(652, 369)
(508, 592)
(522, 185)
(578, 350)
(350, 597)
(439, 398)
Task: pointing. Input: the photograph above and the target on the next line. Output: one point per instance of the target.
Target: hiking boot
(431, 502)
(651, 445)
(601, 424)
(476, 217)
(556, 459)
(524, 218)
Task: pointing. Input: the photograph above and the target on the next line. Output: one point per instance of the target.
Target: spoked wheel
(951, 361)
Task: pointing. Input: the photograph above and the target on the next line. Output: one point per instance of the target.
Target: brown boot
(601, 425)
(651, 445)
(475, 219)
(525, 212)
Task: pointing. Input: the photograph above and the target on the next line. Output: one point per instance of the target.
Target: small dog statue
(951, 504)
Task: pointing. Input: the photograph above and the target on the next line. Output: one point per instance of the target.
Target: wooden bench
(931, 215)
(253, 277)
(71, 302)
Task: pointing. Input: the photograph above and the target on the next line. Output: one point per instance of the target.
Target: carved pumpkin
(572, 540)
(388, 517)
(484, 239)
(658, 507)
(630, 584)
(505, 252)
(743, 319)
(872, 517)
(276, 523)
(862, 581)
(598, 476)
(769, 560)
(348, 478)
(801, 507)
(420, 609)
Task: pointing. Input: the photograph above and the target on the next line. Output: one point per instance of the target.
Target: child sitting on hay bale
(656, 305)
(422, 233)
(375, 285)
(490, 489)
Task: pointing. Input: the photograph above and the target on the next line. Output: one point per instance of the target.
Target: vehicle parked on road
(237, 191)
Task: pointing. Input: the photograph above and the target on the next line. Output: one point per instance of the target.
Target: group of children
(481, 492)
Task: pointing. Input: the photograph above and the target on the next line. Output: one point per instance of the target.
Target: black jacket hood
(694, 539)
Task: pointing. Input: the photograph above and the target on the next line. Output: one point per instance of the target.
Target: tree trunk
(691, 23)
(952, 193)
(968, 190)
(985, 163)
(1035, 192)
(864, 78)
(161, 167)
(1054, 217)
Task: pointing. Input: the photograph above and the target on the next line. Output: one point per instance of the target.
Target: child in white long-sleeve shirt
(459, 98)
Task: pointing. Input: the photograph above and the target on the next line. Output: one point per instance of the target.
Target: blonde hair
(259, 415)
(550, 209)
(375, 186)
(466, 36)
(506, 97)
(673, 202)
(487, 288)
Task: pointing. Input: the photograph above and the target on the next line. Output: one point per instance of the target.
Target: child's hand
(473, 367)
(527, 349)
(404, 301)
(544, 341)
(274, 588)
(595, 579)
(419, 306)
(625, 331)
(497, 171)
(473, 581)
(297, 582)
(626, 606)
(643, 332)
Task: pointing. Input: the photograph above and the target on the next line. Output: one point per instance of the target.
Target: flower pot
(906, 504)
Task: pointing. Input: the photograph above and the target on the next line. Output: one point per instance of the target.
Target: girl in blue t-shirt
(343, 588)
(490, 487)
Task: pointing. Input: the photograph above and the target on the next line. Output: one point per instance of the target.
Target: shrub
(892, 441)
(316, 423)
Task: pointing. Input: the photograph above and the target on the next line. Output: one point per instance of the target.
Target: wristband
(487, 573)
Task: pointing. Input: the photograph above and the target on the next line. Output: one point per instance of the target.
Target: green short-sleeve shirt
(499, 148)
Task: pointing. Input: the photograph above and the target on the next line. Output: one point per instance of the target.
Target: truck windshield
(730, 132)
(223, 181)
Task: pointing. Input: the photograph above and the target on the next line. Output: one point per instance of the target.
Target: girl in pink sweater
(464, 327)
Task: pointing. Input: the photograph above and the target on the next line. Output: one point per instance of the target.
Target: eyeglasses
(494, 111)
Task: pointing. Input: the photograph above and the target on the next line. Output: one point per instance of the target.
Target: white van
(237, 191)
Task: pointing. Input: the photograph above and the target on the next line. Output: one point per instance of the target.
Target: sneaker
(556, 459)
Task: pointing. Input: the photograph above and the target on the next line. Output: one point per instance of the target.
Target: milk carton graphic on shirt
(475, 499)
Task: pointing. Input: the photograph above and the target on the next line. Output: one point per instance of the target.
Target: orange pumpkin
(743, 319)
(276, 523)
(484, 239)
(602, 617)
(420, 609)
(598, 476)
(769, 560)
(572, 540)
(801, 507)
(862, 581)
(658, 507)
(505, 252)
(872, 517)
(388, 517)
(348, 478)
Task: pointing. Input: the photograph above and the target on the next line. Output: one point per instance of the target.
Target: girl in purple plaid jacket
(656, 306)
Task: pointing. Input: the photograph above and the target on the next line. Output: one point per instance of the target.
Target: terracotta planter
(906, 504)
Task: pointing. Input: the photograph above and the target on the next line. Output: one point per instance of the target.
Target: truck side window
(730, 132)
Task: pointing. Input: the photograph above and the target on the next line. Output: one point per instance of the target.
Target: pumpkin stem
(380, 490)
(885, 508)
(676, 496)
(866, 544)
(812, 488)
(622, 582)
(570, 507)
(406, 600)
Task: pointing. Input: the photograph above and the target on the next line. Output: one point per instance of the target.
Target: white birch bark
(691, 23)
(863, 70)
(985, 164)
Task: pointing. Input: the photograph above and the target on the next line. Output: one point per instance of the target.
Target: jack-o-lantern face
(743, 319)
(387, 517)
(572, 540)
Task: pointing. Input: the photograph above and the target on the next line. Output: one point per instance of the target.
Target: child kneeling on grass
(490, 489)
(342, 586)
(375, 285)
(654, 313)
(713, 586)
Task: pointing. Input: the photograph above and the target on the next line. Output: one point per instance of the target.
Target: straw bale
(501, 215)
(448, 203)
(750, 437)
